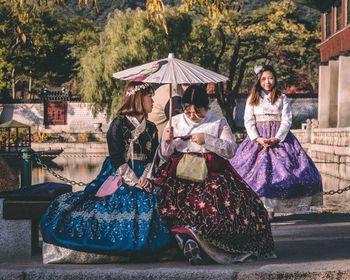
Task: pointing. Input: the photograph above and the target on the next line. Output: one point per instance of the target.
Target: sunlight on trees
(223, 36)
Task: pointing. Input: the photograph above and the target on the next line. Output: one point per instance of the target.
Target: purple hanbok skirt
(284, 176)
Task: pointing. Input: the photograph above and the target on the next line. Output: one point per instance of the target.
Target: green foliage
(98, 16)
(289, 40)
(128, 40)
(273, 34)
(37, 44)
(230, 44)
(231, 36)
(226, 36)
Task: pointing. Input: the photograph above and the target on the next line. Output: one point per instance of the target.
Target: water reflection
(85, 169)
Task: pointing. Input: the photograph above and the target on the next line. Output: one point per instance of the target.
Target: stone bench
(19, 227)
(20, 212)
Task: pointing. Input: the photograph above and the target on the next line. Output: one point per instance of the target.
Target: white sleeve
(147, 170)
(249, 121)
(286, 120)
(127, 174)
(165, 149)
(224, 145)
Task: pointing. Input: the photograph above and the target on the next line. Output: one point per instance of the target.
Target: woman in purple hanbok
(271, 159)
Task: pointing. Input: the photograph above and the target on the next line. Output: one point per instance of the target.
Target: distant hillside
(106, 7)
(100, 15)
(306, 13)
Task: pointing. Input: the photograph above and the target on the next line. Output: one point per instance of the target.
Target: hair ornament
(136, 88)
(258, 68)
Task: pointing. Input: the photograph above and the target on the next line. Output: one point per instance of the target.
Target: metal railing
(55, 174)
(28, 155)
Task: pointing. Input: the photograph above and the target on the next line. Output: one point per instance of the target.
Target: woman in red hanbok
(219, 219)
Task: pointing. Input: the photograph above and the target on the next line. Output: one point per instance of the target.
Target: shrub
(83, 137)
(40, 137)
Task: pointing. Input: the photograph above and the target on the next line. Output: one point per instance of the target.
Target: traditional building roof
(13, 124)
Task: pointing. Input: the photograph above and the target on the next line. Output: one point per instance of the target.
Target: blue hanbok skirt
(125, 223)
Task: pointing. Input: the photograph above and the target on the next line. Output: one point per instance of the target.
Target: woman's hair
(254, 97)
(132, 103)
(195, 95)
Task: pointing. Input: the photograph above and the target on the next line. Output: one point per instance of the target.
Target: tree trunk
(229, 116)
(225, 104)
(231, 104)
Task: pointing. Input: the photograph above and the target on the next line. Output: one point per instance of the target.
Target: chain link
(339, 191)
(74, 155)
(332, 162)
(71, 182)
(104, 155)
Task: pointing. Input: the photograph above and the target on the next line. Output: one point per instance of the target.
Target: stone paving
(313, 246)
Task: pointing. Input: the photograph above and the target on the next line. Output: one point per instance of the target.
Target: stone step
(309, 247)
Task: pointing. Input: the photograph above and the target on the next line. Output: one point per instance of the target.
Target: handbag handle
(189, 143)
(184, 138)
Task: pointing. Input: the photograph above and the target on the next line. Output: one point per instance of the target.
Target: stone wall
(329, 148)
(79, 117)
(74, 148)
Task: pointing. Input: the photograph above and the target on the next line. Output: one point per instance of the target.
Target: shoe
(250, 258)
(181, 239)
(193, 253)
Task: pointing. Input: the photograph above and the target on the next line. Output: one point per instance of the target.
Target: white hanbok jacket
(266, 111)
(218, 136)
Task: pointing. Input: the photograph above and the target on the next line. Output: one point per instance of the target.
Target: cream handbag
(192, 167)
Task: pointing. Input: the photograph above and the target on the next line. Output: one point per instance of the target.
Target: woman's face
(195, 114)
(148, 102)
(267, 81)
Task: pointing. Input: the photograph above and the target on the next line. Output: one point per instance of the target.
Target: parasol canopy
(170, 70)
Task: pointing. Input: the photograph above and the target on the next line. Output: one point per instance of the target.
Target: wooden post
(170, 104)
(16, 142)
(27, 155)
(13, 82)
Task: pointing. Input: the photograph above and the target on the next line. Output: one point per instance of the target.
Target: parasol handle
(170, 104)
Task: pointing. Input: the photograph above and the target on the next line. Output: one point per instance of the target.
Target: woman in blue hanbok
(112, 222)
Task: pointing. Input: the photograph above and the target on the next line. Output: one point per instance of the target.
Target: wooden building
(55, 107)
(14, 136)
(334, 69)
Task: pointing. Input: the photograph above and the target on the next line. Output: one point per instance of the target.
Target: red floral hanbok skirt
(223, 210)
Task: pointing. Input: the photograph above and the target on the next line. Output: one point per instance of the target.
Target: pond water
(79, 169)
(85, 169)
